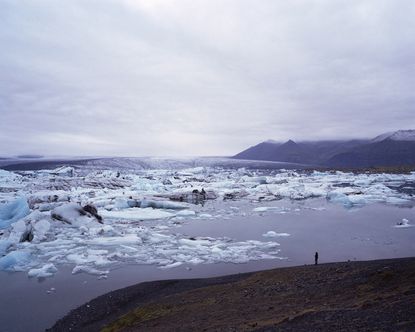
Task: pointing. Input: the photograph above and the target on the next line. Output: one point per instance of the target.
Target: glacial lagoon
(193, 222)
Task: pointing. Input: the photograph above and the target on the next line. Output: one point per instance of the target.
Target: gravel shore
(349, 296)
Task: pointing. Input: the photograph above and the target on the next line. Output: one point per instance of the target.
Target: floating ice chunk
(266, 208)
(4, 245)
(136, 214)
(191, 171)
(262, 209)
(121, 203)
(47, 270)
(31, 228)
(316, 208)
(74, 214)
(186, 213)
(15, 260)
(89, 270)
(172, 265)
(234, 194)
(13, 211)
(358, 199)
(254, 179)
(162, 205)
(48, 196)
(9, 181)
(20, 231)
(40, 229)
(7, 176)
(51, 290)
(95, 231)
(403, 224)
(337, 197)
(193, 197)
(274, 234)
(127, 239)
(97, 257)
(205, 215)
(100, 203)
(398, 200)
(85, 258)
(42, 207)
(67, 212)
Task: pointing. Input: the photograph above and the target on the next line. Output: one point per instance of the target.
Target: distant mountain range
(389, 149)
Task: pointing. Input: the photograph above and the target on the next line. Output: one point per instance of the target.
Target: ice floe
(47, 270)
(275, 234)
(403, 224)
(13, 211)
(15, 260)
(95, 219)
(136, 214)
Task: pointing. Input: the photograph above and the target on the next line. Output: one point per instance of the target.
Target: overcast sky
(153, 77)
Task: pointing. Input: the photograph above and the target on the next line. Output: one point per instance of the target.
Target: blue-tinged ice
(15, 260)
(13, 211)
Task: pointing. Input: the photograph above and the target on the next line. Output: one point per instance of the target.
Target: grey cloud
(200, 77)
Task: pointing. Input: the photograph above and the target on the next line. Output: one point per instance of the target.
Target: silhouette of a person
(316, 258)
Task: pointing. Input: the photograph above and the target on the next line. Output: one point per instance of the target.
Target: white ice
(47, 270)
(136, 214)
(275, 234)
(13, 211)
(141, 209)
(403, 224)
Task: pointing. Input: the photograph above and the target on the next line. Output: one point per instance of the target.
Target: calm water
(336, 233)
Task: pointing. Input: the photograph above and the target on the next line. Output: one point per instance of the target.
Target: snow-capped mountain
(399, 135)
(390, 149)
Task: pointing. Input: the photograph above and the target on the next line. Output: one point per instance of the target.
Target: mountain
(400, 135)
(294, 153)
(389, 149)
(273, 151)
(263, 151)
(315, 153)
(388, 152)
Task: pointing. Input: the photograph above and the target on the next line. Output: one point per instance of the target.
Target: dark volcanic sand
(351, 296)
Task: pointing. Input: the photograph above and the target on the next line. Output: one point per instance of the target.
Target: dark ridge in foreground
(350, 296)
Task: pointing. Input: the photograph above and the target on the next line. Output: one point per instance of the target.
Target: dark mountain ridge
(390, 149)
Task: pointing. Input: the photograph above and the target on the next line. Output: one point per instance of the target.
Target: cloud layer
(112, 77)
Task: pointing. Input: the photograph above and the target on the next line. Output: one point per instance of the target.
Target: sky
(195, 77)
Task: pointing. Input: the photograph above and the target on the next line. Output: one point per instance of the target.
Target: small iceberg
(275, 234)
(403, 224)
(13, 211)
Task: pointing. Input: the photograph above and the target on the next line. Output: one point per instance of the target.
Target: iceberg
(162, 205)
(76, 215)
(12, 212)
(136, 214)
(59, 222)
(403, 224)
(45, 271)
(275, 234)
(15, 260)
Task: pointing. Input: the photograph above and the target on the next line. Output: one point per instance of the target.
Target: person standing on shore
(316, 258)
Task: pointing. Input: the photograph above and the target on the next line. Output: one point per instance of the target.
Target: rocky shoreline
(349, 296)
